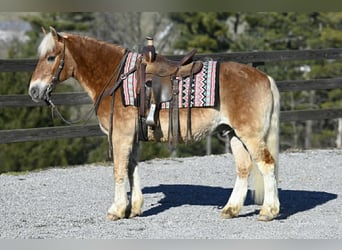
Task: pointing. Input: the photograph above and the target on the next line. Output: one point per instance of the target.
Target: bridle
(47, 95)
(51, 86)
(54, 80)
(118, 76)
(105, 92)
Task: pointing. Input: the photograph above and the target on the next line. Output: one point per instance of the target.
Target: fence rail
(15, 65)
(81, 98)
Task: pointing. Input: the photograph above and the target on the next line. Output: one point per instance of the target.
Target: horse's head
(52, 66)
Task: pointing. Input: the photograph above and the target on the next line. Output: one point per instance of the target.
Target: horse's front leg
(137, 200)
(122, 147)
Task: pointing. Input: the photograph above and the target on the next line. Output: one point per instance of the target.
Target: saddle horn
(149, 51)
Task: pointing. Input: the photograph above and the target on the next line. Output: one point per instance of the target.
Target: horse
(248, 107)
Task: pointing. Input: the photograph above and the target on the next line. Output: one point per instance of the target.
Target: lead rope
(54, 110)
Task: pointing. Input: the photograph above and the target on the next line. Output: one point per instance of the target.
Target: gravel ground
(183, 199)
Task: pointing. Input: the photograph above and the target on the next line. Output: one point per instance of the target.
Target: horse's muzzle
(37, 93)
(34, 93)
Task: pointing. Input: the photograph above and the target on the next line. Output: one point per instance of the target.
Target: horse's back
(233, 74)
(245, 96)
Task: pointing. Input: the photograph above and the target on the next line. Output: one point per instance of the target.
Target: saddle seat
(162, 66)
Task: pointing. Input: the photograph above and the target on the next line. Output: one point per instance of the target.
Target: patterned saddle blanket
(203, 88)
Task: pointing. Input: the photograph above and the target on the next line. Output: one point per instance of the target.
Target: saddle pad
(204, 86)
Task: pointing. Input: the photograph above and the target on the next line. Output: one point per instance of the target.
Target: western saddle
(158, 82)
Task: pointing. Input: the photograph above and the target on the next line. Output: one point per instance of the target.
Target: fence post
(209, 144)
(339, 133)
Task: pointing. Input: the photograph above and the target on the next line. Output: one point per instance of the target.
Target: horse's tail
(272, 142)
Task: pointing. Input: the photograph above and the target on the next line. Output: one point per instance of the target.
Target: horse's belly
(202, 122)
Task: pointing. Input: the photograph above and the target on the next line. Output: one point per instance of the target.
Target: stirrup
(150, 118)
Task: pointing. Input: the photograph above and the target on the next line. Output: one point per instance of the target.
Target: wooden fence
(81, 98)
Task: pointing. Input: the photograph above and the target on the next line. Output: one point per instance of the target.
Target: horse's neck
(95, 62)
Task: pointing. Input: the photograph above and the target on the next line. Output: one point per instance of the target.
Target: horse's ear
(54, 32)
(44, 31)
(56, 35)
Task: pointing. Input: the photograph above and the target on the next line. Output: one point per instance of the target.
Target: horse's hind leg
(136, 201)
(243, 164)
(266, 165)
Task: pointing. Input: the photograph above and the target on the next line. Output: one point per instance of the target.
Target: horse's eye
(51, 58)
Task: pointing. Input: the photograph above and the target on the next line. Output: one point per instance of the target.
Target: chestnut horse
(248, 106)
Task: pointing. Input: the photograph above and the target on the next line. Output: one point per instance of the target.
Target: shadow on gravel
(296, 201)
(178, 195)
(292, 201)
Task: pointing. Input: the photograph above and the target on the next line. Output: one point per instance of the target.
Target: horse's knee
(267, 157)
(265, 168)
(261, 155)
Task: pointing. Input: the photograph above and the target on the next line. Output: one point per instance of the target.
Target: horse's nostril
(34, 92)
